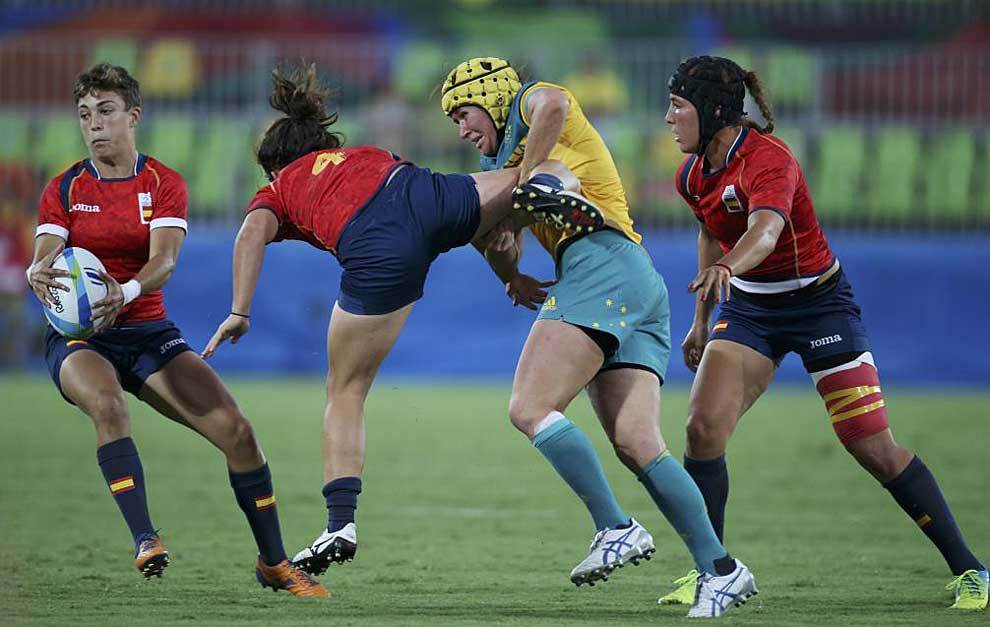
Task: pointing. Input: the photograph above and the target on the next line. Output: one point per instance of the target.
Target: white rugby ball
(71, 313)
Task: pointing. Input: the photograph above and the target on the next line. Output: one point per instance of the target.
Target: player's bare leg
(495, 195)
(556, 363)
(730, 379)
(627, 402)
(190, 392)
(356, 346)
(850, 387)
(90, 382)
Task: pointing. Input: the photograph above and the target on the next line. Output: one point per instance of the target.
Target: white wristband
(131, 290)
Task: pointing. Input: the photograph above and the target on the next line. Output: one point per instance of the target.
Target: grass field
(462, 522)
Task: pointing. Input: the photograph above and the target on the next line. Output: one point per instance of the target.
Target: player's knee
(107, 409)
(855, 403)
(525, 415)
(705, 432)
(240, 435)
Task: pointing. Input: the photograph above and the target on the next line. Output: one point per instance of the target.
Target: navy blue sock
(546, 179)
(122, 470)
(918, 494)
(712, 478)
(341, 495)
(254, 493)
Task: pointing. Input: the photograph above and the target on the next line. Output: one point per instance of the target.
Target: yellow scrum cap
(488, 82)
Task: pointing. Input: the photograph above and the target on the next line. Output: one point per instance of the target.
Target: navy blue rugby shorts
(387, 248)
(816, 321)
(136, 351)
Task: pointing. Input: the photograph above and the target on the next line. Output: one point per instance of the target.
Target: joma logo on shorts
(171, 344)
(828, 339)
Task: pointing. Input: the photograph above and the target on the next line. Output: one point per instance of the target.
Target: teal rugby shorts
(608, 283)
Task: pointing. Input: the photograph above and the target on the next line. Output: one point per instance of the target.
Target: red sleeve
(171, 208)
(681, 182)
(53, 218)
(268, 198)
(772, 183)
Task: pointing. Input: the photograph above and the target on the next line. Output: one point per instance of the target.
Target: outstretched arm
(753, 247)
(258, 229)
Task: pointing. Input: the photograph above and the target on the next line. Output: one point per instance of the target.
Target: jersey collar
(139, 163)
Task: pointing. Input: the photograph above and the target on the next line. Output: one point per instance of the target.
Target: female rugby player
(130, 211)
(604, 325)
(385, 220)
(760, 242)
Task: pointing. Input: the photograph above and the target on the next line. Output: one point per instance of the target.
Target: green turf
(462, 522)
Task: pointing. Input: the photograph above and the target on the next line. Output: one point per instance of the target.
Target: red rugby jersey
(317, 194)
(113, 219)
(760, 173)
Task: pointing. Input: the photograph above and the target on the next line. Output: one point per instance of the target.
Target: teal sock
(680, 502)
(570, 453)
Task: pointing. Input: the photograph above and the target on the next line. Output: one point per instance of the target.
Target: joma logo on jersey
(730, 200)
(85, 208)
(828, 339)
(325, 159)
(144, 206)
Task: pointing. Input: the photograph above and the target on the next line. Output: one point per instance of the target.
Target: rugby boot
(286, 576)
(611, 549)
(558, 207)
(970, 590)
(151, 558)
(683, 593)
(717, 595)
(329, 548)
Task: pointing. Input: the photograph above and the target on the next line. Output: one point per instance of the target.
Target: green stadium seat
(950, 160)
(795, 139)
(171, 69)
(219, 158)
(791, 77)
(15, 129)
(984, 192)
(837, 189)
(170, 140)
(120, 51)
(418, 61)
(59, 144)
(892, 193)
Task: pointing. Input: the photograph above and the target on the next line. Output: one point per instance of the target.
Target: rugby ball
(71, 313)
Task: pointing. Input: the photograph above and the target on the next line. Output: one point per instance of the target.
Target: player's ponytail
(304, 128)
(756, 91)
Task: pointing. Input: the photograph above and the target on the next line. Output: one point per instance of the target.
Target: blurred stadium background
(885, 102)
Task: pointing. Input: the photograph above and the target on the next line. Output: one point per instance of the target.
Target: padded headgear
(716, 87)
(488, 82)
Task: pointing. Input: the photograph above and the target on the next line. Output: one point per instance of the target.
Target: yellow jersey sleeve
(582, 149)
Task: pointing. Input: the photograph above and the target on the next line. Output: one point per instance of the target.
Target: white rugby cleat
(331, 547)
(716, 595)
(611, 549)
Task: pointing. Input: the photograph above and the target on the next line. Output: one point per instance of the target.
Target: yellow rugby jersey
(582, 149)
